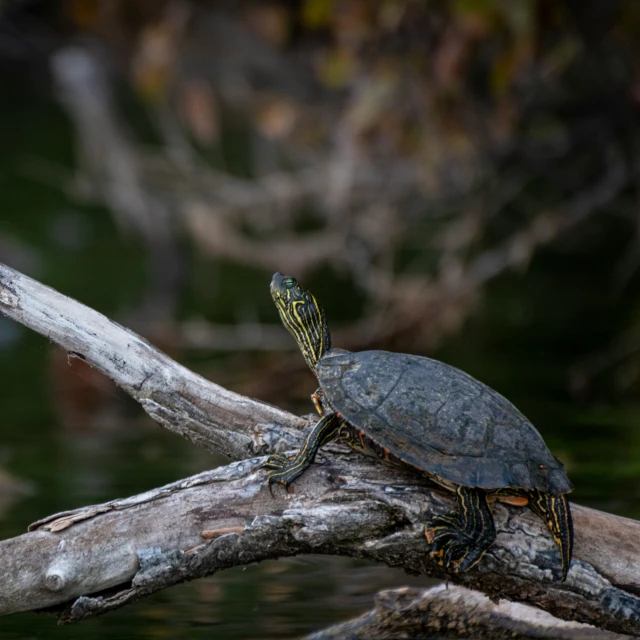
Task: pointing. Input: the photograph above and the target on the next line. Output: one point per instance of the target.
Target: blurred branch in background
(419, 149)
(411, 153)
(111, 173)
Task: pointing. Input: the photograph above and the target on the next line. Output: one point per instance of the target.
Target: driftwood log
(98, 558)
(448, 611)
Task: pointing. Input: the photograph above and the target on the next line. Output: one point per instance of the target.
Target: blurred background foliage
(452, 178)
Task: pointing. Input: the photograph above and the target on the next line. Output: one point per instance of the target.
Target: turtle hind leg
(555, 511)
(460, 538)
(285, 470)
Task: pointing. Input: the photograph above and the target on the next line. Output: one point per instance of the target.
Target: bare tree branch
(182, 401)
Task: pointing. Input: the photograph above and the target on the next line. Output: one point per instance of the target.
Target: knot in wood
(56, 579)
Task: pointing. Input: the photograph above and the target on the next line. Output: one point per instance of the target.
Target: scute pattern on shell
(440, 419)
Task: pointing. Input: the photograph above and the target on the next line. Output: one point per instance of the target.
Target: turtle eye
(289, 283)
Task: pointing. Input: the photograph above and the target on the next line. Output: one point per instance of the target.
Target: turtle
(416, 411)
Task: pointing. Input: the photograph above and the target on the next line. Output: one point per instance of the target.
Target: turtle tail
(555, 511)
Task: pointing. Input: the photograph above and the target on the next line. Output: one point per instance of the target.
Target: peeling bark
(346, 504)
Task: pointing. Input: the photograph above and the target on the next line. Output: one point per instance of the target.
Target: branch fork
(98, 558)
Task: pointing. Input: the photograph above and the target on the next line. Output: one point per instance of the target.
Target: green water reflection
(524, 339)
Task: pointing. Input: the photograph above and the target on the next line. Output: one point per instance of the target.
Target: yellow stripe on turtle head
(302, 316)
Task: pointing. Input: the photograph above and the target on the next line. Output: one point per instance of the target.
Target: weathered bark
(182, 401)
(448, 611)
(348, 505)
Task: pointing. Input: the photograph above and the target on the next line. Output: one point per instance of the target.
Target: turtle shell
(439, 419)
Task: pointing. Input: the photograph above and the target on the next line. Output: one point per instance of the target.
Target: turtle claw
(277, 470)
(275, 462)
(282, 469)
(460, 538)
(452, 549)
(448, 544)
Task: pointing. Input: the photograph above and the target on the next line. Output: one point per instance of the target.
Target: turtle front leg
(285, 470)
(460, 538)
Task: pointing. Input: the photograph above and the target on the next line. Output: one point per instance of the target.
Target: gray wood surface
(347, 504)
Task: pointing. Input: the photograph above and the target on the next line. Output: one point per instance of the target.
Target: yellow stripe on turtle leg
(555, 511)
(325, 430)
(459, 539)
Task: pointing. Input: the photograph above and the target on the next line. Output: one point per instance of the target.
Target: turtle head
(302, 316)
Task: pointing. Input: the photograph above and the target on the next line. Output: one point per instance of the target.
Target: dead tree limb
(182, 401)
(348, 505)
(448, 611)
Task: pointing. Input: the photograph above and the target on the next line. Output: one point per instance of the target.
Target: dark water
(527, 336)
